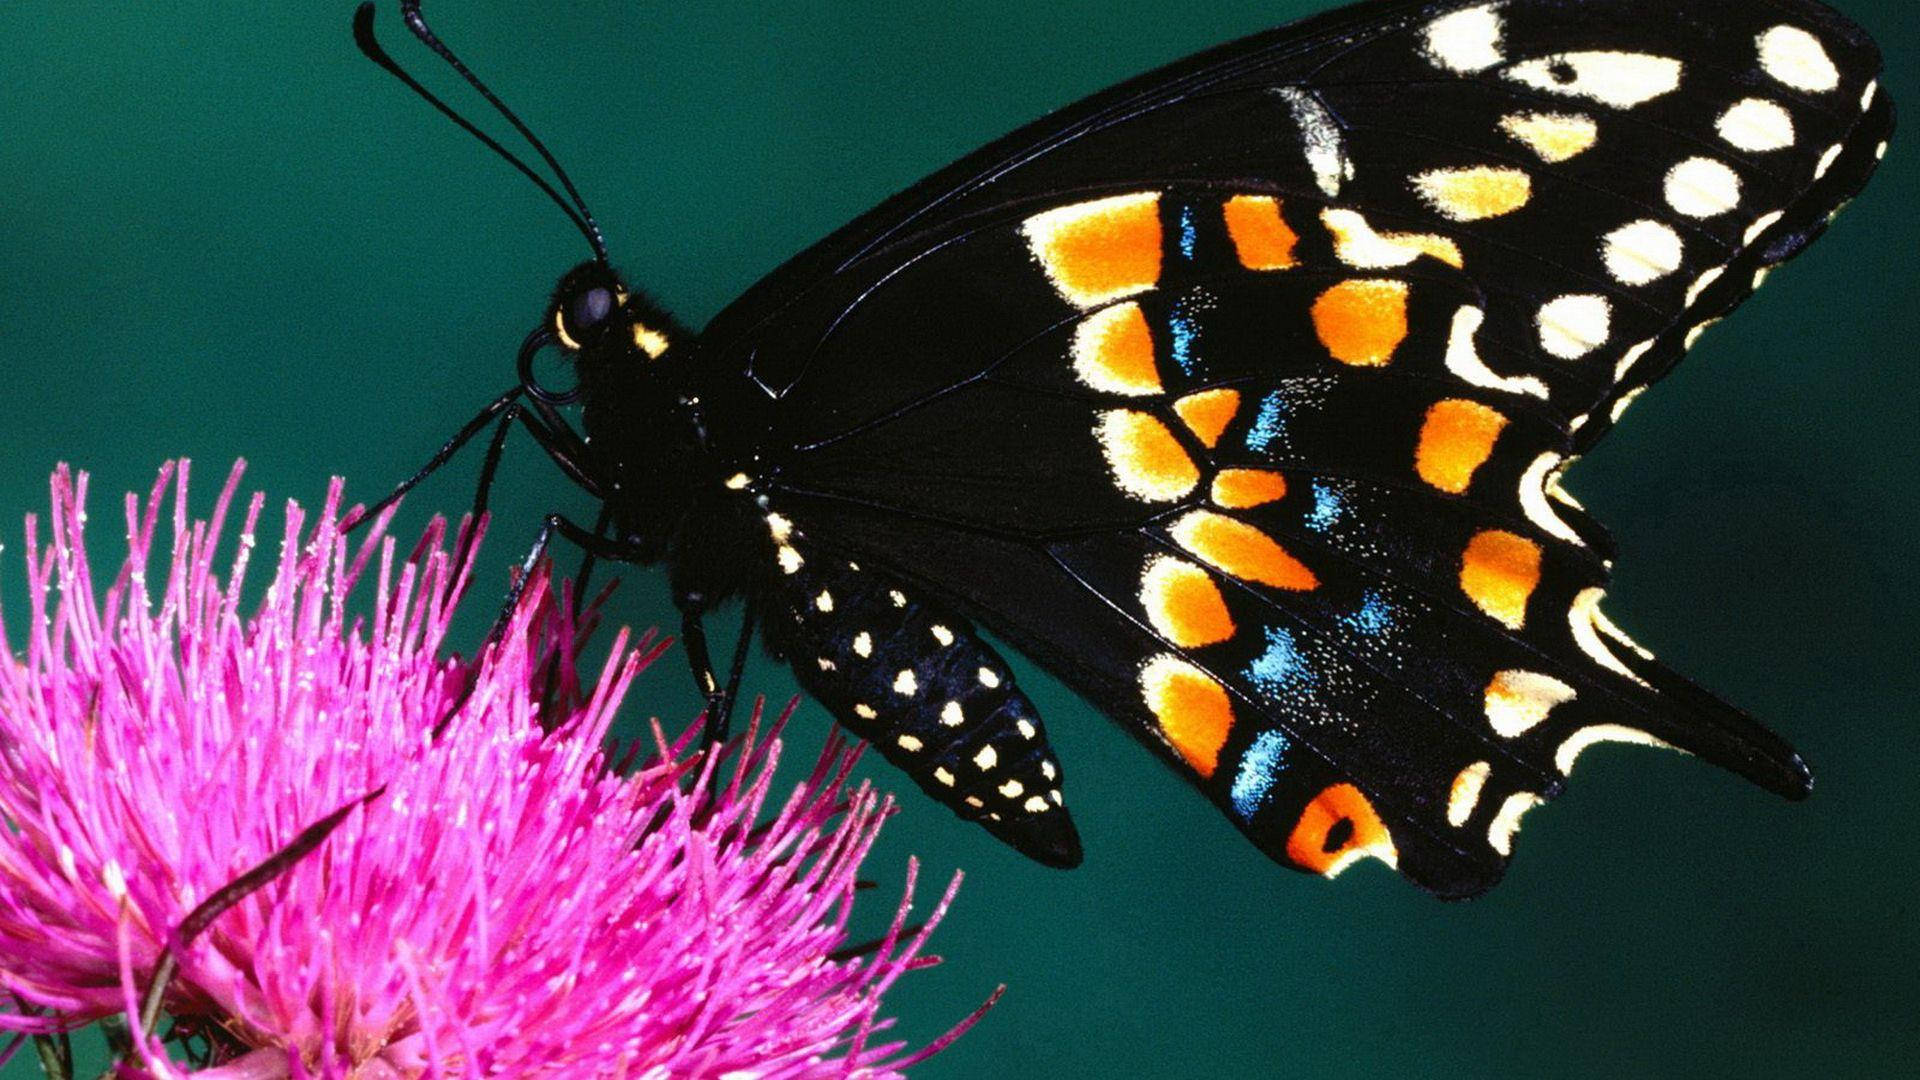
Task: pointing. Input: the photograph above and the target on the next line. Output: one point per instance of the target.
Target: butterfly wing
(1237, 395)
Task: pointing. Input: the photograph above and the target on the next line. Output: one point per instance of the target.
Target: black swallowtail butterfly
(1237, 397)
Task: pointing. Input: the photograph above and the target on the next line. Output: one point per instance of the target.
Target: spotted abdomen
(916, 682)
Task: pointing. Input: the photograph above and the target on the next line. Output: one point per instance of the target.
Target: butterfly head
(595, 315)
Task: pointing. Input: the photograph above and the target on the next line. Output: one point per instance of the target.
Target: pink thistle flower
(509, 904)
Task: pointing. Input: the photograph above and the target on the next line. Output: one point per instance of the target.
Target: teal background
(227, 234)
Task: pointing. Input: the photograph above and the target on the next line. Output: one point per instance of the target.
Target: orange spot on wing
(1184, 604)
(1238, 548)
(1101, 250)
(1499, 572)
(1194, 712)
(1362, 322)
(1208, 413)
(1148, 463)
(1260, 234)
(1455, 441)
(1113, 352)
(1240, 489)
(1313, 844)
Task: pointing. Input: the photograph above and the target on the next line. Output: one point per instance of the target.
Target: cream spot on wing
(1626, 402)
(1518, 701)
(790, 560)
(1866, 96)
(1761, 225)
(942, 775)
(1463, 358)
(1465, 41)
(863, 644)
(1466, 792)
(1826, 161)
(1573, 326)
(826, 664)
(1630, 358)
(909, 743)
(1581, 618)
(989, 678)
(1507, 822)
(1533, 499)
(1012, 789)
(824, 601)
(1577, 743)
(952, 715)
(1702, 283)
(1620, 79)
(866, 712)
(1035, 805)
(1474, 194)
(1047, 770)
(780, 528)
(1794, 57)
(905, 684)
(1756, 125)
(899, 598)
(1642, 252)
(1696, 333)
(1555, 137)
(987, 758)
(1702, 188)
(1356, 243)
(1320, 138)
(941, 634)
(1028, 731)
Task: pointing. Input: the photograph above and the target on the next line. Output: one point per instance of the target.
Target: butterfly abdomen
(917, 683)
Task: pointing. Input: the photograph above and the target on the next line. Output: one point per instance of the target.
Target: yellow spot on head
(1455, 441)
(1499, 572)
(1194, 712)
(1314, 845)
(1518, 701)
(1241, 489)
(1362, 322)
(1184, 604)
(1102, 250)
(1208, 413)
(1260, 234)
(1556, 137)
(1113, 352)
(1239, 549)
(652, 342)
(1148, 463)
(1474, 194)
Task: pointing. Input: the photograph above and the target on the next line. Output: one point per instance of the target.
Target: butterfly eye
(587, 312)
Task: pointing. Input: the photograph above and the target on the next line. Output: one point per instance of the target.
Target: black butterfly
(1236, 396)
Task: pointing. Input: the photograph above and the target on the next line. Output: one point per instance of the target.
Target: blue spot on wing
(1281, 671)
(1185, 330)
(1374, 618)
(1269, 423)
(1259, 766)
(1328, 507)
(1189, 233)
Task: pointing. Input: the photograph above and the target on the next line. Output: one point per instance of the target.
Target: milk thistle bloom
(496, 899)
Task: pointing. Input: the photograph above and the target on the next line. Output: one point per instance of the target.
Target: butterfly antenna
(363, 36)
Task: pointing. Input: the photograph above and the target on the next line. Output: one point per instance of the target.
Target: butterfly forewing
(1239, 395)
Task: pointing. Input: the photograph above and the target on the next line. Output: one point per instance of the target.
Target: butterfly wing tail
(1692, 719)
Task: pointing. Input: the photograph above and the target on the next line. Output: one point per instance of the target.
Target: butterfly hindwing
(1239, 396)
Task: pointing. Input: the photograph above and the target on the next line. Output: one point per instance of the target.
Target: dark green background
(225, 235)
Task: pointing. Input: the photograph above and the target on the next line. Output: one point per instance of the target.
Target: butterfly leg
(720, 699)
(453, 446)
